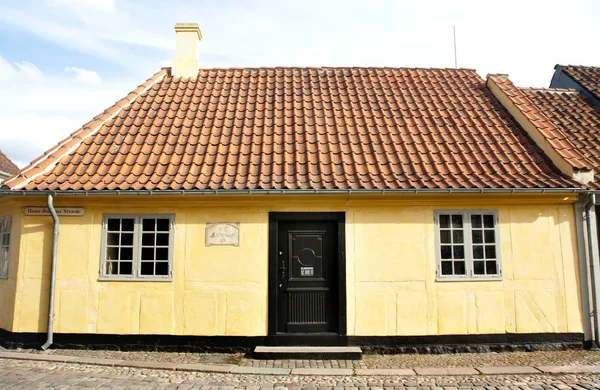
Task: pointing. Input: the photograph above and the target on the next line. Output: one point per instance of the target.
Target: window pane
(126, 254)
(476, 221)
(127, 224)
(114, 224)
(112, 239)
(478, 251)
(457, 237)
(490, 268)
(148, 239)
(112, 253)
(3, 268)
(111, 267)
(162, 268)
(478, 268)
(477, 237)
(162, 253)
(444, 221)
(445, 237)
(4, 254)
(459, 268)
(490, 252)
(488, 221)
(162, 225)
(163, 239)
(126, 238)
(490, 236)
(148, 253)
(446, 252)
(5, 239)
(125, 268)
(459, 252)
(457, 221)
(148, 225)
(147, 268)
(446, 268)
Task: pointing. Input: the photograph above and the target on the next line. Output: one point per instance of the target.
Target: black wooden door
(307, 278)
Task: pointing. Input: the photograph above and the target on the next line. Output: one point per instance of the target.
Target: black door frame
(275, 338)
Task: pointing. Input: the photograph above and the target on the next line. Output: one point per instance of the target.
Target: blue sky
(64, 61)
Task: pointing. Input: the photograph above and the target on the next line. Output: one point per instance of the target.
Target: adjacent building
(7, 167)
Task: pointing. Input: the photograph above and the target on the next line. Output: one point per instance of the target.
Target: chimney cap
(188, 27)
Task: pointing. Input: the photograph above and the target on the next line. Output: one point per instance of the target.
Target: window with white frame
(467, 244)
(5, 226)
(137, 247)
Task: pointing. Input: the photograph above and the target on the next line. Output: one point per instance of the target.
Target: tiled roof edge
(565, 69)
(559, 142)
(49, 159)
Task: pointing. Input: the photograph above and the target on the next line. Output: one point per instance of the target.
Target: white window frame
(137, 248)
(4, 233)
(468, 245)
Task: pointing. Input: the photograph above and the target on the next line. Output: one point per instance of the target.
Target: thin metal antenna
(455, 60)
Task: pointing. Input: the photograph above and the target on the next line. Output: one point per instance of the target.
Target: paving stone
(384, 371)
(445, 371)
(322, 371)
(507, 370)
(205, 367)
(97, 362)
(260, 370)
(153, 365)
(574, 369)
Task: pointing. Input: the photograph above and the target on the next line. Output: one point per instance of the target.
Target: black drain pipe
(50, 338)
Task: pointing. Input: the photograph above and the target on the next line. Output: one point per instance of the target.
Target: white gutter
(50, 337)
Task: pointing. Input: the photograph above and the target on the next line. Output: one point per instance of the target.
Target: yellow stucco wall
(8, 285)
(391, 285)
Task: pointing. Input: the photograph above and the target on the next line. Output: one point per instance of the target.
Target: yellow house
(395, 209)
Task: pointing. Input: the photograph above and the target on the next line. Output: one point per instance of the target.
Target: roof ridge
(50, 157)
(335, 67)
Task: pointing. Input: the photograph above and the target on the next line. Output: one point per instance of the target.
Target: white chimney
(185, 63)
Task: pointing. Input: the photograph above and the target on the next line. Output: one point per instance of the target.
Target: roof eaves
(52, 156)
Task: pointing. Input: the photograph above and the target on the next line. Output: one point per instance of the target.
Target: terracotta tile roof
(587, 76)
(574, 115)
(6, 165)
(300, 128)
(553, 134)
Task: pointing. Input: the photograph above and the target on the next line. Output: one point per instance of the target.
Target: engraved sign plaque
(223, 233)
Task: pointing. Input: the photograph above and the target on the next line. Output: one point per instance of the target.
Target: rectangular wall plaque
(60, 211)
(223, 233)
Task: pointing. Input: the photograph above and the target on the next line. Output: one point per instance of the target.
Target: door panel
(307, 280)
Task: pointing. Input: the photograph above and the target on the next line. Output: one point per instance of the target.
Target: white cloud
(19, 71)
(84, 75)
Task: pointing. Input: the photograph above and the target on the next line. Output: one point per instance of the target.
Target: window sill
(481, 279)
(106, 279)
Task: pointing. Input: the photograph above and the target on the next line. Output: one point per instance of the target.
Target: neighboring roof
(6, 165)
(587, 76)
(299, 128)
(551, 133)
(574, 115)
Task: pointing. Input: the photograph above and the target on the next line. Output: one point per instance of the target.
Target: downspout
(593, 255)
(50, 338)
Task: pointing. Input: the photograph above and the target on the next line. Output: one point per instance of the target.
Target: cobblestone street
(16, 374)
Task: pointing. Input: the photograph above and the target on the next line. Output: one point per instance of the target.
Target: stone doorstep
(261, 370)
(323, 371)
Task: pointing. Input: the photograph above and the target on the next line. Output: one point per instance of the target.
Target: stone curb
(233, 369)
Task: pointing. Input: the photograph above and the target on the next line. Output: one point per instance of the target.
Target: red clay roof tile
(587, 76)
(6, 165)
(300, 128)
